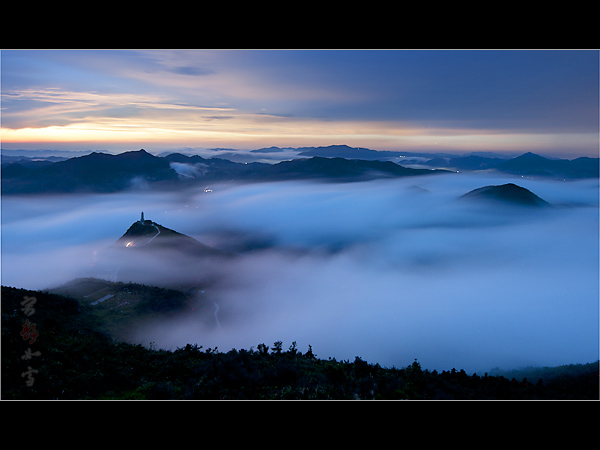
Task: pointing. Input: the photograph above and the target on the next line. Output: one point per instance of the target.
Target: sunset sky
(545, 101)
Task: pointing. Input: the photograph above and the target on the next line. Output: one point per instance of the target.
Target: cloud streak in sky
(302, 98)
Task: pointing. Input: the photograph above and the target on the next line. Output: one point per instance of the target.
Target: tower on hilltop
(142, 218)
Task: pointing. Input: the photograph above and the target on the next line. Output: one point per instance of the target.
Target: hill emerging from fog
(147, 236)
(508, 194)
(149, 253)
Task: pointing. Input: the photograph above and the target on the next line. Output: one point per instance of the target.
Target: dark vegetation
(78, 361)
(114, 308)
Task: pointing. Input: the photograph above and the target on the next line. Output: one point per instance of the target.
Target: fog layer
(388, 270)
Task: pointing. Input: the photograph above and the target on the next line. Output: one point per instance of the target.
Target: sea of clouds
(389, 270)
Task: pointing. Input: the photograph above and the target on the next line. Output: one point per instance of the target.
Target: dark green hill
(116, 308)
(508, 194)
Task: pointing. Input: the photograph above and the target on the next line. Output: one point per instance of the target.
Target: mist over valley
(388, 268)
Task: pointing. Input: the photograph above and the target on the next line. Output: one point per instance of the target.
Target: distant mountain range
(528, 164)
(96, 172)
(345, 151)
(338, 169)
(102, 172)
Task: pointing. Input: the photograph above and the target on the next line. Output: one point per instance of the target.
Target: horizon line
(416, 152)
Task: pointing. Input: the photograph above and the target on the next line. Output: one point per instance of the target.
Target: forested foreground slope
(65, 357)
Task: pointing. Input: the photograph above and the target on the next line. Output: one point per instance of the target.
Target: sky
(511, 101)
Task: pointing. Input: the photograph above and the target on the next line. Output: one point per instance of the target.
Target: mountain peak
(135, 154)
(530, 155)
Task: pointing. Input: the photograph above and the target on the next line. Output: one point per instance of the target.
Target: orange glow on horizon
(247, 132)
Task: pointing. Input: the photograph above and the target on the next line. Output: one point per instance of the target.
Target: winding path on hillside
(152, 238)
